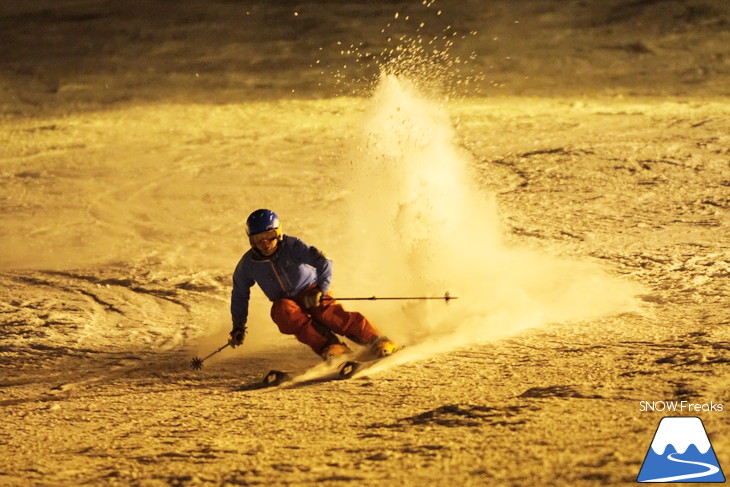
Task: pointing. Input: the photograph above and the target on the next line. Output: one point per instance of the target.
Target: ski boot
(382, 347)
(335, 350)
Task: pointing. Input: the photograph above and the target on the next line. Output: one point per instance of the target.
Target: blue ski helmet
(261, 221)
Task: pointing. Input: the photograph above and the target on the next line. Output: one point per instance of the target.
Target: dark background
(78, 55)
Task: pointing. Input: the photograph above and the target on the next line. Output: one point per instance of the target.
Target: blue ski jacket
(293, 267)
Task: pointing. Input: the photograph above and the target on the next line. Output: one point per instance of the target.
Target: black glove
(235, 337)
(312, 300)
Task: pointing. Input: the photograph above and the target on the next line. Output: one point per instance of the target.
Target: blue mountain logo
(680, 452)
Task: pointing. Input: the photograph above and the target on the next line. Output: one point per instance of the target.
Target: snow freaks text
(679, 407)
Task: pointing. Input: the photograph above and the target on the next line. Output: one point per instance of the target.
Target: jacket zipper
(278, 278)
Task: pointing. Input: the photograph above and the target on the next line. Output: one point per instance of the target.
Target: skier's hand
(312, 300)
(235, 337)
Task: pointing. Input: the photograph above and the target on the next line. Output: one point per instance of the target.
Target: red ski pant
(306, 325)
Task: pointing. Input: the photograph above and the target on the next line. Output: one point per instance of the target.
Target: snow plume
(421, 226)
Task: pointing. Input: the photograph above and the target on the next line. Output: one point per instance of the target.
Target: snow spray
(420, 224)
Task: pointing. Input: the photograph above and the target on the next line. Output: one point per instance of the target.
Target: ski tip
(348, 369)
(275, 378)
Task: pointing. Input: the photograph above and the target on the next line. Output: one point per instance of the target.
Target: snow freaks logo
(680, 452)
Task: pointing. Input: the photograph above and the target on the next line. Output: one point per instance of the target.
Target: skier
(296, 278)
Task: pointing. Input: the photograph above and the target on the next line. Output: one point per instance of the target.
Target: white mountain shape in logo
(680, 432)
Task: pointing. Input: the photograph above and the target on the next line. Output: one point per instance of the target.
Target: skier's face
(266, 242)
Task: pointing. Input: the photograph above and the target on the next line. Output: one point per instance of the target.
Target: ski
(343, 367)
(275, 378)
(320, 372)
(352, 367)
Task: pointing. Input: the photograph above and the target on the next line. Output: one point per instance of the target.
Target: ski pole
(446, 297)
(197, 362)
